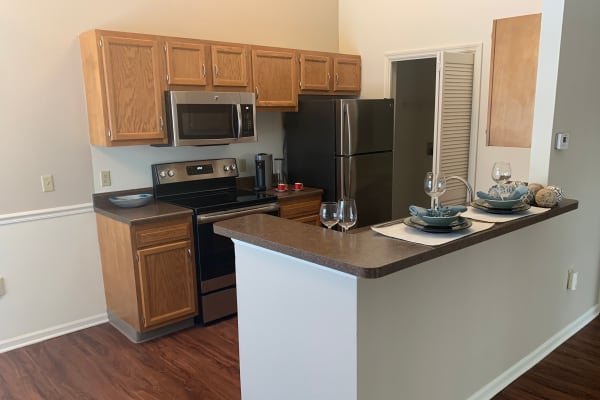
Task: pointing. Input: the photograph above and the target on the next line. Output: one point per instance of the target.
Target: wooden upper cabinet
(231, 66)
(123, 80)
(346, 73)
(187, 62)
(315, 72)
(513, 74)
(275, 76)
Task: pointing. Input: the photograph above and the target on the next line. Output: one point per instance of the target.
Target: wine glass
(501, 173)
(347, 213)
(435, 186)
(329, 214)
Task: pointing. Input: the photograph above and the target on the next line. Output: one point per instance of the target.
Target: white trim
(518, 369)
(392, 56)
(46, 213)
(49, 333)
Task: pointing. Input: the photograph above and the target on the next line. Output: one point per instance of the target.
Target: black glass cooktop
(221, 200)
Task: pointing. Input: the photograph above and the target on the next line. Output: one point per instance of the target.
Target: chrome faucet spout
(467, 184)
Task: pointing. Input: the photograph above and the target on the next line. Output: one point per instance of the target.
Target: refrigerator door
(364, 126)
(368, 179)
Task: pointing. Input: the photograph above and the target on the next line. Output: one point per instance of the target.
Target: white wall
(373, 28)
(45, 131)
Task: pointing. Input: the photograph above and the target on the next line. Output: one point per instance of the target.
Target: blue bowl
(503, 203)
(439, 221)
(132, 200)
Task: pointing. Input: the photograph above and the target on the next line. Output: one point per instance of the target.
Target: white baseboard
(49, 333)
(508, 376)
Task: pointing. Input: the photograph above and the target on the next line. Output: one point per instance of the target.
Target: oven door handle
(222, 215)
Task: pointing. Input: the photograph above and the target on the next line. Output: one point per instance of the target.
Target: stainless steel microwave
(210, 118)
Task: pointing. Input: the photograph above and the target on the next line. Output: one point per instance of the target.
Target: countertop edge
(419, 253)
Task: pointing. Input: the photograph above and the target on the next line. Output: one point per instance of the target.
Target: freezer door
(364, 126)
(368, 179)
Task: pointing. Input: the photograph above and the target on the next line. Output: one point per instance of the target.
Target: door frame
(434, 52)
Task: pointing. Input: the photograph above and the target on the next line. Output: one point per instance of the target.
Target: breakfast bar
(328, 315)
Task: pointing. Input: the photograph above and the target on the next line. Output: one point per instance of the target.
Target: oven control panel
(186, 171)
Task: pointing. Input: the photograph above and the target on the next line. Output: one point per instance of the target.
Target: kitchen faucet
(469, 188)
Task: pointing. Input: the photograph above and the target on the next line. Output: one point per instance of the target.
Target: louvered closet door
(453, 133)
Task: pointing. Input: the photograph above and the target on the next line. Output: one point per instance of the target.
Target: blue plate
(132, 200)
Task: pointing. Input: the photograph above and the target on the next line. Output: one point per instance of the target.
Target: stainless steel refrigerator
(344, 146)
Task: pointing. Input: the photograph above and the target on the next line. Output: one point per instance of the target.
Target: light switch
(47, 183)
(562, 141)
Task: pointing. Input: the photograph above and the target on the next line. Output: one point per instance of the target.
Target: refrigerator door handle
(347, 174)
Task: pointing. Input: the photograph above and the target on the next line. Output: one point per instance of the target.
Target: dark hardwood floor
(202, 364)
(570, 372)
(100, 363)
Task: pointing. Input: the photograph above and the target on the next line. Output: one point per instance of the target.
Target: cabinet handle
(204, 70)
(168, 78)
(337, 78)
(216, 70)
(300, 83)
(328, 77)
(162, 123)
(256, 89)
(189, 252)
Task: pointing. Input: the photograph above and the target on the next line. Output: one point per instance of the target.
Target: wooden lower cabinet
(302, 206)
(149, 275)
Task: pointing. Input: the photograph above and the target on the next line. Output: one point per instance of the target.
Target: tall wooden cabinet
(124, 86)
(513, 74)
(149, 274)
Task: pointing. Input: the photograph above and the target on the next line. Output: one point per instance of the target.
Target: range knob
(163, 174)
(226, 168)
(233, 167)
(170, 172)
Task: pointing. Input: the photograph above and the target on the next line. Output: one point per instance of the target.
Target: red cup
(298, 186)
(281, 187)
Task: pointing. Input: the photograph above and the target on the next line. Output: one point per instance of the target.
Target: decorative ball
(532, 189)
(559, 193)
(546, 197)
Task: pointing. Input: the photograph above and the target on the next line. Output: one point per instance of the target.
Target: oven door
(209, 118)
(215, 261)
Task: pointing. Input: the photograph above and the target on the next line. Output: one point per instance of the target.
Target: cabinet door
(346, 72)
(230, 66)
(315, 72)
(186, 63)
(513, 73)
(132, 70)
(167, 283)
(275, 78)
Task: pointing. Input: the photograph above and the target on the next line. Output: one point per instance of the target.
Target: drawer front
(300, 208)
(165, 232)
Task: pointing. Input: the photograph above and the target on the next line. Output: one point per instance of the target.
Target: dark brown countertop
(295, 194)
(152, 211)
(365, 254)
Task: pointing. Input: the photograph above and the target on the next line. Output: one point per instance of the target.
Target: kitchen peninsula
(327, 315)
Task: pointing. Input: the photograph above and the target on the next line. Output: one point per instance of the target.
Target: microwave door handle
(238, 108)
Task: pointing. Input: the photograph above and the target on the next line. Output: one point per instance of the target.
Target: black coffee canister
(264, 171)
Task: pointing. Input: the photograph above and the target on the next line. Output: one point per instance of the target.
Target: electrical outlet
(242, 165)
(47, 183)
(572, 280)
(2, 287)
(105, 178)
